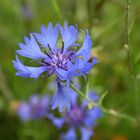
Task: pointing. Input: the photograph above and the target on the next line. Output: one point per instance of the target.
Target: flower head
(62, 60)
(79, 118)
(55, 51)
(35, 108)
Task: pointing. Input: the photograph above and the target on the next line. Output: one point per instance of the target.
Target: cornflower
(78, 119)
(36, 107)
(57, 52)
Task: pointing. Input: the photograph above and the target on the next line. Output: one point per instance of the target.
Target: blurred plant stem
(127, 47)
(4, 88)
(56, 8)
(100, 104)
(96, 11)
(132, 77)
(99, 5)
(83, 95)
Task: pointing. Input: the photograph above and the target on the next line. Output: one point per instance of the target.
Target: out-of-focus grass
(105, 20)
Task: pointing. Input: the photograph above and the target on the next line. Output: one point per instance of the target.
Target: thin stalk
(118, 114)
(57, 8)
(4, 88)
(133, 78)
(127, 47)
(82, 94)
(100, 104)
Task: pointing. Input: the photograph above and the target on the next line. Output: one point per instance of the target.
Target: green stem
(100, 104)
(119, 115)
(132, 74)
(81, 94)
(57, 8)
(127, 37)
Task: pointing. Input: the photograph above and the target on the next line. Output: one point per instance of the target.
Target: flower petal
(69, 35)
(45, 101)
(92, 115)
(24, 111)
(25, 71)
(48, 36)
(58, 122)
(36, 99)
(70, 135)
(86, 48)
(39, 106)
(86, 133)
(30, 49)
(84, 67)
(62, 74)
(92, 96)
(67, 75)
(62, 98)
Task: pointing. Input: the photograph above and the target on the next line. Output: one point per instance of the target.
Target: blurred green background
(116, 72)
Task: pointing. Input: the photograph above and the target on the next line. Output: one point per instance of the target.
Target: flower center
(37, 111)
(57, 59)
(75, 115)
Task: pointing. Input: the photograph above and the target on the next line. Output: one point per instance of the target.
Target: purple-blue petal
(86, 133)
(45, 101)
(74, 97)
(92, 96)
(86, 48)
(62, 98)
(92, 115)
(69, 35)
(62, 74)
(25, 71)
(42, 101)
(39, 106)
(58, 122)
(24, 112)
(67, 75)
(84, 67)
(30, 49)
(34, 100)
(48, 36)
(35, 108)
(70, 135)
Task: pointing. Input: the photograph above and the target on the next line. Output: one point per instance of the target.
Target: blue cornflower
(78, 118)
(35, 108)
(55, 51)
